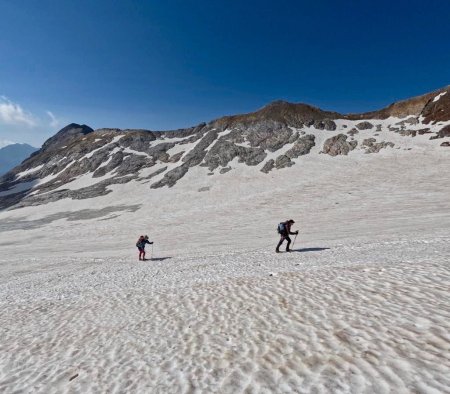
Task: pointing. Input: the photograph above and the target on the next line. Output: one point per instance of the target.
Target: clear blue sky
(173, 63)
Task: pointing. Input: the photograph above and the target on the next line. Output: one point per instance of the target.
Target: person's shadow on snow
(159, 258)
(309, 249)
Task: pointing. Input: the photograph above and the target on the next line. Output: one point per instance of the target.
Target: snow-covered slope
(79, 163)
(360, 306)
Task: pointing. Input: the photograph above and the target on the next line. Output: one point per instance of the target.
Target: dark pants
(284, 237)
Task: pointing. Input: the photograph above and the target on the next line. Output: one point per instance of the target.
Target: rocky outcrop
(364, 126)
(283, 161)
(302, 147)
(326, 124)
(438, 109)
(414, 106)
(224, 170)
(222, 152)
(66, 135)
(442, 133)
(269, 166)
(268, 135)
(372, 146)
(289, 114)
(408, 133)
(338, 145)
(196, 155)
(171, 177)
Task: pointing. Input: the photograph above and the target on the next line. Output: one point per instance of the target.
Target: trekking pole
(152, 251)
(294, 241)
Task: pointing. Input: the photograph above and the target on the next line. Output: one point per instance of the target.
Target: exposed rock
(446, 143)
(352, 132)
(132, 164)
(288, 114)
(222, 152)
(325, 124)
(140, 141)
(294, 138)
(378, 127)
(302, 147)
(66, 135)
(225, 170)
(438, 109)
(408, 133)
(444, 132)
(338, 145)
(283, 161)
(412, 120)
(98, 189)
(400, 109)
(424, 131)
(196, 155)
(204, 189)
(268, 135)
(176, 157)
(372, 146)
(268, 166)
(159, 151)
(171, 177)
(364, 126)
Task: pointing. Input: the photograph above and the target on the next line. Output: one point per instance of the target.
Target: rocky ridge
(79, 162)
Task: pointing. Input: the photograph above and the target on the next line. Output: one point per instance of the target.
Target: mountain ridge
(271, 138)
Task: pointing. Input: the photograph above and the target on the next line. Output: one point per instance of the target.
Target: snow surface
(439, 96)
(30, 171)
(362, 305)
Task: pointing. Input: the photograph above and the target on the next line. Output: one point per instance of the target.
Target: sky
(170, 64)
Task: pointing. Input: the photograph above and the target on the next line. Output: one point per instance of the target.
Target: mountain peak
(66, 135)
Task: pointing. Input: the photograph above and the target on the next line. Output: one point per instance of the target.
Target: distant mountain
(79, 162)
(14, 154)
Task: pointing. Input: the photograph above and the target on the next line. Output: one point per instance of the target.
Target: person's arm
(147, 241)
(293, 232)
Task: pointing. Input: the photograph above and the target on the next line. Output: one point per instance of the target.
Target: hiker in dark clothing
(284, 229)
(140, 244)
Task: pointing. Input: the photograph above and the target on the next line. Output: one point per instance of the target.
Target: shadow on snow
(158, 258)
(309, 249)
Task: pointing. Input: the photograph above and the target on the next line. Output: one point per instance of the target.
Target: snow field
(361, 306)
(325, 320)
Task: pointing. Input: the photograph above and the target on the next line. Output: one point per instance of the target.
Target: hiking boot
(277, 251)
(288, 250)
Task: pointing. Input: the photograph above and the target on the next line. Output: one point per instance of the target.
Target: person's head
(291, 221)
(141, 237)
(146, 237)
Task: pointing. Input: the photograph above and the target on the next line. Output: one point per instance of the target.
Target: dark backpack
(281, 228)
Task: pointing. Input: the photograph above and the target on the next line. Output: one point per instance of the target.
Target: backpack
(281, 228)
(139, 243)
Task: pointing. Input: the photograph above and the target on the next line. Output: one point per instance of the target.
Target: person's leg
(279, 244)
(141, 253)
(288, 243)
